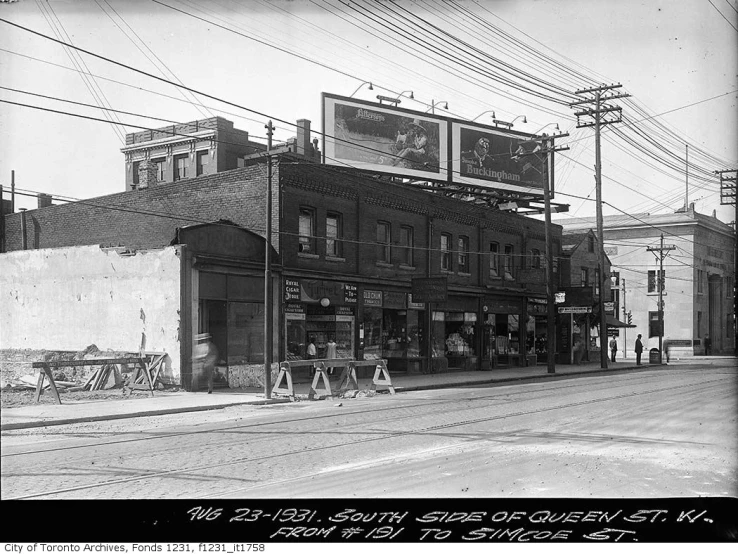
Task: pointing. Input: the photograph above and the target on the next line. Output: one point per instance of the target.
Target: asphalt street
(669, 432)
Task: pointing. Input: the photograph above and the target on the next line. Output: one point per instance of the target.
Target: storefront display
(454, 336)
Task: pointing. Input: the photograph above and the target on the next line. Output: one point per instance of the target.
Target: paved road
(666, 432)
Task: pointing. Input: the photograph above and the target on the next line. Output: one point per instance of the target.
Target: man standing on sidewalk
(638, 350)
(613, 349)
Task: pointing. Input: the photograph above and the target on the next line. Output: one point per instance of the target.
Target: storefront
(392, 328)
(536, 331)
(319, 311)
(503, 336)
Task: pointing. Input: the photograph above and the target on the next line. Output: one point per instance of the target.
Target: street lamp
(509, 124)
(411, 97)
(361, 85)
(432, 109)
(395, 100)
(481, 114)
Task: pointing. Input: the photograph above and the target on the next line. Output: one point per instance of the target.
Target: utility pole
(686, 184)
(729, 195)
(600, 114)
(625, 329)
(268, 297)
(660, 282)
(547, 147)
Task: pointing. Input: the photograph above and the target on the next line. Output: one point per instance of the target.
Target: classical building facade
(697, 283)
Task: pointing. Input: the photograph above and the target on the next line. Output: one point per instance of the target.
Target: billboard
(385, 139)
(497, 158)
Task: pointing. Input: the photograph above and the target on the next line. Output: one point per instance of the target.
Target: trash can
(654, 356)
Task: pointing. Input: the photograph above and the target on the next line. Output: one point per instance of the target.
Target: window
(699, 324)
(597, 282)
(700, 279)
(180, 167)
(509, 263)
(654, 330)
(407, 241)
(656, 281)
(446, 252)
(535, 259)
(333, 234)
(590, 243)
(307, 231)
(494, 259)
(201, 162)
(463, 254)
(585, 277)
(160, 166)
(383, 242)
(136, 169)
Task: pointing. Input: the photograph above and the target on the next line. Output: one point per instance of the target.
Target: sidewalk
(42, 415)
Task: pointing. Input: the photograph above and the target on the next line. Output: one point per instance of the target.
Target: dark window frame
(307, 243)
(494, 259)
(463, 255)
(334, 244)
(384, 244)
(407, 242)
(446, 257)
(200, 167)
(175, 164)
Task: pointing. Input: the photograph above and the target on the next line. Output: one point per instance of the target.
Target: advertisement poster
(497, 158)
(386, 139)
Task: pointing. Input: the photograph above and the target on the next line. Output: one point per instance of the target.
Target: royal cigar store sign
(315, 290)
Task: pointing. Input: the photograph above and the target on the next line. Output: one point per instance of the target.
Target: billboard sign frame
(384, 139)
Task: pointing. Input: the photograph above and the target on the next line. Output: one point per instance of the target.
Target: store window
(446, 252)
(509, 262)
(501, 336)
(393, 334)
(320, 325)
(333, 235)
(383, 242)
(494, 260)
(457, 330)
(407, 242)
(463, 254)
(307, 231)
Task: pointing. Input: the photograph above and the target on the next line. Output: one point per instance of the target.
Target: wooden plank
(39, 385)
(147, 375)
(285, 372)
(320, 374)
(80, 363)
(54, 390)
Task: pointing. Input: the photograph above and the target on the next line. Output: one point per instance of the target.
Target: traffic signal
(630, 318)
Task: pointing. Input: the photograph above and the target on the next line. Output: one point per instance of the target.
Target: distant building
(185, 150)
(698, 280)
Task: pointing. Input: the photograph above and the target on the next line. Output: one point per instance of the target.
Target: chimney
(44, 200)
(304, 148)
(147, 174)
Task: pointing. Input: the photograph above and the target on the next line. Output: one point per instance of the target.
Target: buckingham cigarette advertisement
(384, 139)
(497, 158)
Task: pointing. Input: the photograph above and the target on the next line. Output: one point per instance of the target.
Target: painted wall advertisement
(497, 158)
(381, 138)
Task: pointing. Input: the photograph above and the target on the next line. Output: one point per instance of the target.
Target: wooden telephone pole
(268, 297)
(603, 114)
(660, 282)
(729, 195)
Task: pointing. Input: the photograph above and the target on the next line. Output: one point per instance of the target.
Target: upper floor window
(656, 281)
(494, 259)
(307, 230)
(201, 161)
(597, 282)
(446, 251)
(407, 241)
(509, 261)
(590, 243)
(160, 166)
(535, 258)
(136, 169)
(463, 254)
(180, 167)
(383, 242)
(333, 235)
(585, 277)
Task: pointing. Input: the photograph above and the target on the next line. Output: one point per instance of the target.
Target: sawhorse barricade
(321, 367)
(148, 363)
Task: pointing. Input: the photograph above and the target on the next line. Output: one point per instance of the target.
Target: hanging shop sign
(350, 294)
(413, 305)
(609, 307)
(294, 312)
(396, 300)
(575, 309)
(291, 290)
(329, 293)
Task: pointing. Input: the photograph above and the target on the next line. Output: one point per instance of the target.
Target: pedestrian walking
(578, 351)
(708, 345)
(667, 347)
(613, 348)
(638, 350)
(206, 356)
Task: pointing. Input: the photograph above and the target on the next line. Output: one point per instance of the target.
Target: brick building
(347, 247)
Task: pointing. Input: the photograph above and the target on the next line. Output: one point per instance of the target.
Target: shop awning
(614, 322)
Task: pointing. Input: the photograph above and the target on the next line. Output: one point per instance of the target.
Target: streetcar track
(386, 436)
(549, 391)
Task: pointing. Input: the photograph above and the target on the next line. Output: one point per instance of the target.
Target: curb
(411, 388)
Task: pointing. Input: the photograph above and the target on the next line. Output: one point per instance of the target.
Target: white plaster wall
(69, 298)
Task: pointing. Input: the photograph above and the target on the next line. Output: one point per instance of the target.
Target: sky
(271, 59)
